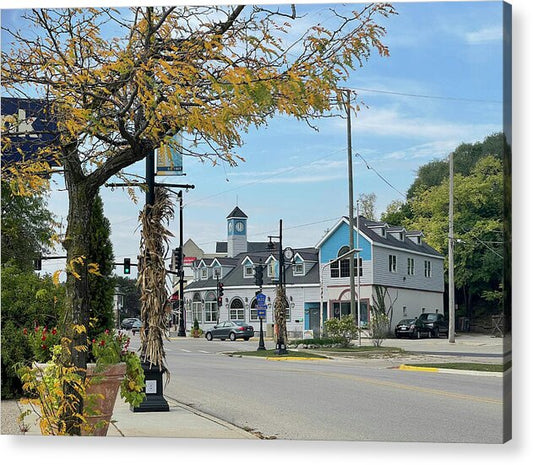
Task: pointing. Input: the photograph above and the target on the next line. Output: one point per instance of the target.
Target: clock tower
(237, 240)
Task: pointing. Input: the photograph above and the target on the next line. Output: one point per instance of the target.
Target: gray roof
(236, 276)
(237, 213)
(392, 241)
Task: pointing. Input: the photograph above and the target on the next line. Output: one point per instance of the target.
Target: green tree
(101, 285)
(27, 227)
(367, 205)
(132, 296)
(27, 301)
(478, 227)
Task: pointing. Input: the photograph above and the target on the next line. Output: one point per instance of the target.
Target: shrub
(345, 329)
(379, 327)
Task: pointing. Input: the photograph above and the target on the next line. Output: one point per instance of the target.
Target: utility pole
(451, 281)
(350, 201)
(359, 267)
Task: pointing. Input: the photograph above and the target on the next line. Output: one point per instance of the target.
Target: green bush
(27, 301)
(319, 341)
(379, 327)
(345, 329)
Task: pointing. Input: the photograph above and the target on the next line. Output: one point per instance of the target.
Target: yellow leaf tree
(121, 81)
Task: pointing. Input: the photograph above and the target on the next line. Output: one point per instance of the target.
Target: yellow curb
(413, 368)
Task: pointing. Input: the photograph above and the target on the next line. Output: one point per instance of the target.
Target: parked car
(230, 330)
(436, 323)
(136, 327)
(411, 327)
(127, 323)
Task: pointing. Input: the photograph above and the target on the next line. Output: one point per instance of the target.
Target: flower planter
(105, 384)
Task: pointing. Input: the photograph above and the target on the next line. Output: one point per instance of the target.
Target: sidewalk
(180, 422)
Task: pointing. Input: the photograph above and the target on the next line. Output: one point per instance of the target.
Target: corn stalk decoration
(154, 246)
(280, 312)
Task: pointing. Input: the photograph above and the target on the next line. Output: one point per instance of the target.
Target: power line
(434, 97)
(379, 174)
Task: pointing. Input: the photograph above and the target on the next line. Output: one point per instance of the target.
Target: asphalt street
(342, 399)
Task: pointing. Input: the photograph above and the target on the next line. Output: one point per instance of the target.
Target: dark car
(127, 323)
(411, 327)
(230, 330)
(435, 323)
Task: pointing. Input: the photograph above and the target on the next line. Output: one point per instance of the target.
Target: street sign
(261, 299)
(28, 127)
(261, 312)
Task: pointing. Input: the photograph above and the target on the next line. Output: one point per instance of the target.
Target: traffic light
(220, 293)
(176, 259)
(37, 264)
(259, 275)
(127, 266)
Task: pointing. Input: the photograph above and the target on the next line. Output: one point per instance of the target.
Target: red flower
(43, 338)
(54, 331)
(102, 342)
(37, 329)
(24, 331)
(94, 340)
(107, 331)
(43, 347)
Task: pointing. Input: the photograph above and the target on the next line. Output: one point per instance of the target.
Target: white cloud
(484, 35)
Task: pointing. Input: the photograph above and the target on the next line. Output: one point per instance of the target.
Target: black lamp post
(281, 344)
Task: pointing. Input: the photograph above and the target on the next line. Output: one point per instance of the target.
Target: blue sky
(441, 86)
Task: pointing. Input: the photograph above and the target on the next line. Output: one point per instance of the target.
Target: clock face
(239, 226)
(288, 253)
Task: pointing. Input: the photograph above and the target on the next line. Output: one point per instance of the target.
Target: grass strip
(271, 353)
(493, 367)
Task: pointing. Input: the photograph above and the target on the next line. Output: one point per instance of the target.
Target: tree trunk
(81, 197)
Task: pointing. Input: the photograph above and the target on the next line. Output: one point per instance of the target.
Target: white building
(392, 260)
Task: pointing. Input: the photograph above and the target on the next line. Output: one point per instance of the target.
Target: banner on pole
(170, 158)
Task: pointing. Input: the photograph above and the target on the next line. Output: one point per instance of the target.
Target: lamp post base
(261, 339)
(281, 349)
(154, 400)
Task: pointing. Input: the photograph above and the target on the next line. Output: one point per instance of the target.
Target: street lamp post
(281, 345)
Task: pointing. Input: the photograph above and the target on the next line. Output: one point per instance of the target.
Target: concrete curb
(450, 370)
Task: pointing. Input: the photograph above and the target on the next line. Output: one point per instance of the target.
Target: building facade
(394, 266)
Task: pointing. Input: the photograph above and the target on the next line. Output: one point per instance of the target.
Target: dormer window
(203, 273)
(248, 270)
(298, 269)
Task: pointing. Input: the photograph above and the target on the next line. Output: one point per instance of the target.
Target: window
(203, 273)
(411, 266)
(253, 311)
(341, 268)
(392, 263)
(298, 269)
(248, 271)
(427, 268)
(359, 269)
(404, 311)
(236, 311)
(210, 308)
(197, 308)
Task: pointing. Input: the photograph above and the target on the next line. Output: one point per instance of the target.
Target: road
(333, 399)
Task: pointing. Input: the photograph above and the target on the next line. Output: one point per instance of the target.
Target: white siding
(382, 275)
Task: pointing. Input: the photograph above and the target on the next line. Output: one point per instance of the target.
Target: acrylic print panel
(316, 169)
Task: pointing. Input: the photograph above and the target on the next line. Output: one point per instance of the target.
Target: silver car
(230, 330)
